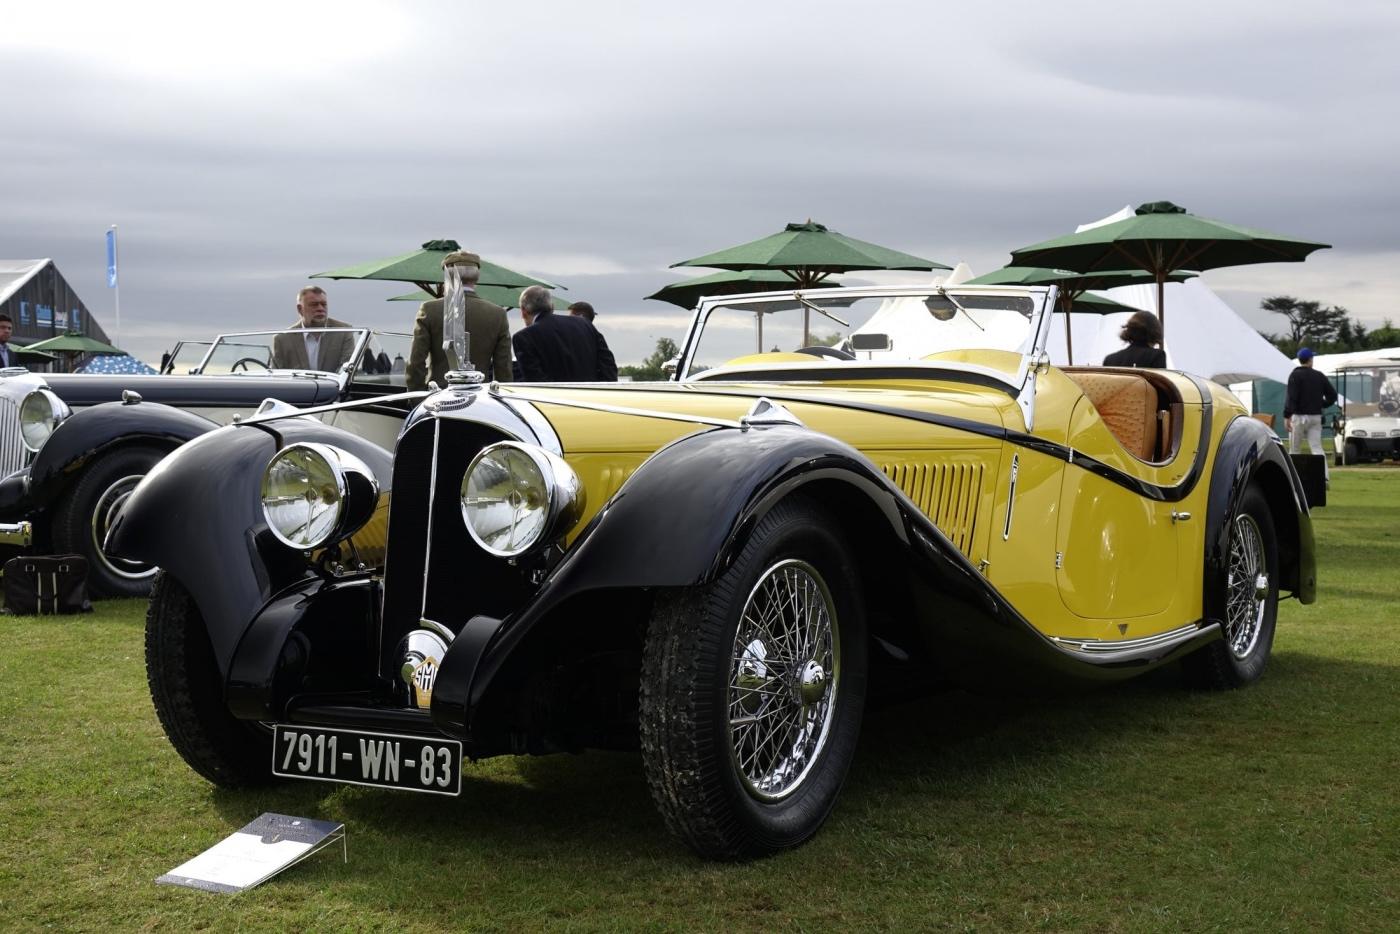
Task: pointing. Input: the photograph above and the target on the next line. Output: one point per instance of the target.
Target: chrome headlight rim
(353, 479)
(57, 412)
(563, 494)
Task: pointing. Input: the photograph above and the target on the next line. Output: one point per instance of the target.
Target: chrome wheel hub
(1247, 587)
(108, 507)
(783, 679)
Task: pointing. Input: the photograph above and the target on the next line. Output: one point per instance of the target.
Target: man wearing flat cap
(488, 333)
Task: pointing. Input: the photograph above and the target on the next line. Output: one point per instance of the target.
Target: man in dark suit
(559, 348)
(488, 332)
(306, 349)
(8, 357)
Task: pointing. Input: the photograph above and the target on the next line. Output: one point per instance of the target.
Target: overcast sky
(241, 148)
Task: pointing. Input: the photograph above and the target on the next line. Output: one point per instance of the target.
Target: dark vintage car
(842, 491)
(74, 446)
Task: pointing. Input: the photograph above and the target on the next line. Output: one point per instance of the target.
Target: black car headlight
(39, 414)
(517, 496)
(316, 494)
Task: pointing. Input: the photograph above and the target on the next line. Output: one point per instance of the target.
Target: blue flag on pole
(111, 259)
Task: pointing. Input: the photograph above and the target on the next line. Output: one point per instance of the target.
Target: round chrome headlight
(516, 496)
(315, 494)
(39, 414)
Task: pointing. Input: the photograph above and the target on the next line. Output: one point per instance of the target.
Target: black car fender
(1250, 454)
(90, 432)
(198, 516)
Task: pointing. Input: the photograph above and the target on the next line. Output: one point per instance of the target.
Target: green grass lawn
(1145, 807)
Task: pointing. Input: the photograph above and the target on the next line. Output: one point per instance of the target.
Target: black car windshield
(882, 327)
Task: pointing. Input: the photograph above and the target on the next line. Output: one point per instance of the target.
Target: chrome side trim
(622, 410)
(259, 418)
(1147, 647)
(432, 501)
(1011, 497)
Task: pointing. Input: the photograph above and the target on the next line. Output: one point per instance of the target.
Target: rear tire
(187, 691)
(1250, 599)
(85, 513)
(753, 688)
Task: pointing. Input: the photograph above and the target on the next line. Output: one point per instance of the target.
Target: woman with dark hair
(1143, 333)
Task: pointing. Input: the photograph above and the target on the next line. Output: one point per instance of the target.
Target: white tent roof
(1331, 362)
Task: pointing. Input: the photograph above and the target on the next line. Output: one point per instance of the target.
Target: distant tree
(1322, 327)
(826, 340)
(1383, 336)
(651, 369)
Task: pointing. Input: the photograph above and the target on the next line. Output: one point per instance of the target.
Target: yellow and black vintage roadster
(839, 491)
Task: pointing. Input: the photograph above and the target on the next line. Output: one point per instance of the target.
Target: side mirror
(670, 367)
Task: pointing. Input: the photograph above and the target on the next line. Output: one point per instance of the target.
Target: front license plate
(380, 760)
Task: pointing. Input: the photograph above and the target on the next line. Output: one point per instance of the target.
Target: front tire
(86, 512)
(752, 690)
(187, 691)
(1250, 599)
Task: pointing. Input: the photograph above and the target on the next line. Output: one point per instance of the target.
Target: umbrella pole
(1161, 303)
(1069, 342)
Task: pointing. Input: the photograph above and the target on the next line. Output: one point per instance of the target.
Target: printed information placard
(256, 853)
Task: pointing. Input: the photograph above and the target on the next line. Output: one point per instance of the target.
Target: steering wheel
(242, 363)
(834, 353)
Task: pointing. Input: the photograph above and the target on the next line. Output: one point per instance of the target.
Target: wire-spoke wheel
(753, 687)
(1249, 601)
(786, 668)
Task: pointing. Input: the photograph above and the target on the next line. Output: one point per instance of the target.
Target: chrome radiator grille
(13, 454)
(947, 492)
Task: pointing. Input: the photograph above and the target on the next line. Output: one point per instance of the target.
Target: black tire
(187, 692)
(1351, 453)
(691, 749)
(85, 512)
(1251, 610)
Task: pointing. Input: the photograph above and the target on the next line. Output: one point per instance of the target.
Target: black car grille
(462, 581)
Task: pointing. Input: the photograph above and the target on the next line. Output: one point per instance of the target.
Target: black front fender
(90, 431)
(198, 516)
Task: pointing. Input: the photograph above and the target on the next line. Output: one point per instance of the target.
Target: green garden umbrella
(506, 297)
(1074, 289)
(72, 342)
(1162, 238)
(808, 253)
(688, 292)
(423, 267)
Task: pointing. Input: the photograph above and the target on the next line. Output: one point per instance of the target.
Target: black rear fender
(1250, 453)
(198, 515)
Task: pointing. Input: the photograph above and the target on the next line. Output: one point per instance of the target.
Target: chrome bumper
(16, 533)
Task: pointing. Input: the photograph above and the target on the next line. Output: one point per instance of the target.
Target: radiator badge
(423, 677)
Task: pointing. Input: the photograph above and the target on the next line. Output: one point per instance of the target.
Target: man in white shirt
(309, 350)
(7, 356)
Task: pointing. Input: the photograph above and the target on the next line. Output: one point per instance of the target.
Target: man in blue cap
(1309, 392)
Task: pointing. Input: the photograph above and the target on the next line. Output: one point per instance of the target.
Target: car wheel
(83, 516)
(1250, 600)
(187, 692)
(752, 690)
(1351, 453)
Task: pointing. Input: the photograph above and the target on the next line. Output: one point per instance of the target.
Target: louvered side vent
(13, 453)
(614, 475)
(947, 493)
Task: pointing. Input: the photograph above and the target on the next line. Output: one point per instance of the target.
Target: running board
(1133, 651)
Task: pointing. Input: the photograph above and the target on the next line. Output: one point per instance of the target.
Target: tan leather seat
(1128, 406)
